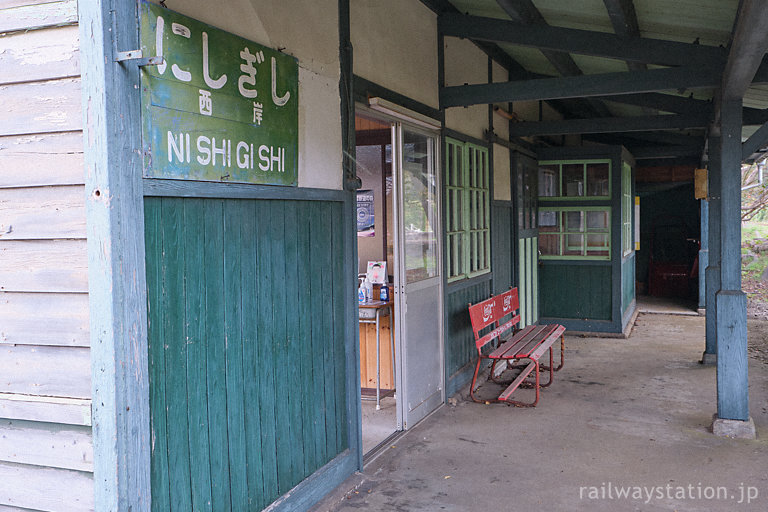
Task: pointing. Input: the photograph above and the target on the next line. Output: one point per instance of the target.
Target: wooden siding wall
(46, 455)
(460, 348)
(246, 348)
(575, 291)
(503, 249)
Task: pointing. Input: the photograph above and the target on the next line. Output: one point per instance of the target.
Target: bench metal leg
(562, 353)
(562, 356)
(474, 382)
(549, 368)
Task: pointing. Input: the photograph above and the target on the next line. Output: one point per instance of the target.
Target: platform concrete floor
(623, 413)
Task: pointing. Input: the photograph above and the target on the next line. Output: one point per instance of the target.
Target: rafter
(598, 44)
(608, 125)
(515, 69)
(624, 21)
(755, 142)
(523, 11)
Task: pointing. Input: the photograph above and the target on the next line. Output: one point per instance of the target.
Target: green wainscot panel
(219, 107)
(581, 292)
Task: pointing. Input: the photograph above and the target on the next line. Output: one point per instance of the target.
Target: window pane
(549, 245)
(548, 175)
(548, 221)
(573, 180)
(574, 245)
(597, 179)
(598, 245)
(419, 206)
(597, 221)
(574, 221)
(597, 241)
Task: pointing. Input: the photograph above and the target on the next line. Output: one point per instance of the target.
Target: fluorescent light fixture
(403, 113)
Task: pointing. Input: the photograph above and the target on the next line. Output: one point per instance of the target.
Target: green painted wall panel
(459, 340)
(247, 363)
(627, 282)
(575, 291)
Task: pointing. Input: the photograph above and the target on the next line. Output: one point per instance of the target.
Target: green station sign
(219, 107)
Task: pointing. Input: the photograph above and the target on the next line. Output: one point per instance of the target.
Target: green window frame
(574, 180)
(575, 233)
(468, 222)
(626, 209)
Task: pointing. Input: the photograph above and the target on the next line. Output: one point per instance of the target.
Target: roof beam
(690, 161)
(608, 125)
(525, 13)
(683, 105)
(606, 84)
(637, 139)
(663, 102)
(648, 152)
(747, 50)
(598, 44)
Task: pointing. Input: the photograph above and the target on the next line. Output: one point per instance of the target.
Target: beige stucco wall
(465, 64)
(502, 180)
(395, 46)
(307, 30)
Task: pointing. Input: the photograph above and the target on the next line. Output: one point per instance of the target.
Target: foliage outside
(755, 198)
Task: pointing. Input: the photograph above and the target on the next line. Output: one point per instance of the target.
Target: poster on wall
(218, 107)
(365, 219)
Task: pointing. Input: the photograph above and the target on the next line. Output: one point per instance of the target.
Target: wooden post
(712, 273)
(732, 385)
(116, 274)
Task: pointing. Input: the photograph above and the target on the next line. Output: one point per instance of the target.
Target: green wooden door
(246, 348)
(526, 213)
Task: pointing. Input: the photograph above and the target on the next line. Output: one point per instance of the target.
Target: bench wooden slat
(522, 343)
(553, 336)
(512, 345)
(538, 336)
(518, 380)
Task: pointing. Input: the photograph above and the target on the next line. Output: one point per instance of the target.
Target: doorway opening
(401, 351)
(375, 243)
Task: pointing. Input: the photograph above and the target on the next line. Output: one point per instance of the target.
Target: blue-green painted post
(732, 384)
(712, 272)
(116, 275)
(703, 254)
(351, 183)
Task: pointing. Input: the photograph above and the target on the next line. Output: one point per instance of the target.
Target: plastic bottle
(384, 292)
(361, 292)
(368, 289)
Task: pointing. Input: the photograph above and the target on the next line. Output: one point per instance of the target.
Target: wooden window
(575, 233)
(467, 210)
(575, 179)
(626, 209)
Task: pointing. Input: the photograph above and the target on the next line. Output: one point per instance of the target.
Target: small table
(380, 306)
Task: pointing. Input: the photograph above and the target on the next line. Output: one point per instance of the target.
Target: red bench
(505, 342)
